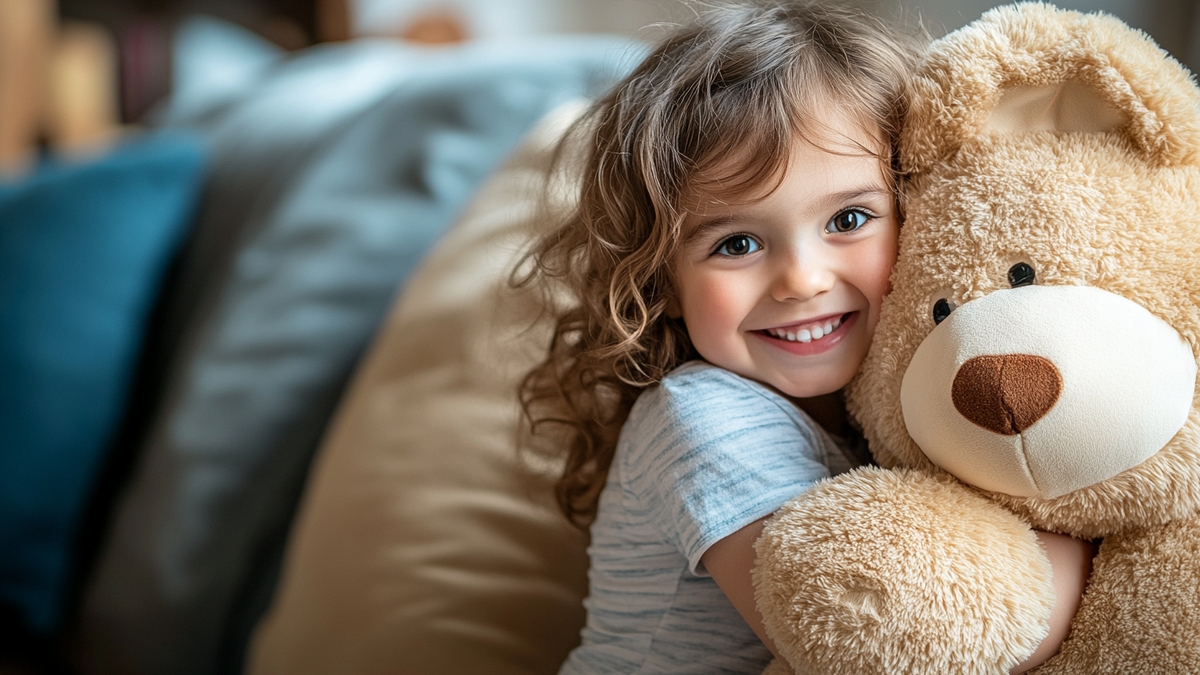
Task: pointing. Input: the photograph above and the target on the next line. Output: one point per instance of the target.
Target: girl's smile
(785, 288)
(811, 337)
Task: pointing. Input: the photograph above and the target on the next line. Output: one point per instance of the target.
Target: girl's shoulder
(705, 419)
(697, 381)
(700, 394)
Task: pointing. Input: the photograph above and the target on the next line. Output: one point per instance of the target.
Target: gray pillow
(333, 222)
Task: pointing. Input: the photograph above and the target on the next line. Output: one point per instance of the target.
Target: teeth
(807, 334)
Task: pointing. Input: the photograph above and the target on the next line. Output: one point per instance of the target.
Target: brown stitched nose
(1006, 394)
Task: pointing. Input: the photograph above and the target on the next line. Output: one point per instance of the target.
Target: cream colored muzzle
(1042, 390)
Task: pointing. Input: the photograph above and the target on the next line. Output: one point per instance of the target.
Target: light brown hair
(713, 110)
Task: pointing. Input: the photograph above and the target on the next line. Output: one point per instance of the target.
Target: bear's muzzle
(1039, 391)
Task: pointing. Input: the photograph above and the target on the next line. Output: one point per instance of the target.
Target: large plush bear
(1035, 367)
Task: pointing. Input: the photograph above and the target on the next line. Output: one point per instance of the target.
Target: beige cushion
(426, 543)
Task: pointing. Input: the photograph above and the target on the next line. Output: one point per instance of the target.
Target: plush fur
(1071, 143)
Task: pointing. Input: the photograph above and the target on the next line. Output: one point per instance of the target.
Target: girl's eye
(738, 245)
(848, 221)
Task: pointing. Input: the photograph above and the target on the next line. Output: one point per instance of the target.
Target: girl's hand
(1071, 562)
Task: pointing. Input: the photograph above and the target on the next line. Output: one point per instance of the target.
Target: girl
(735, 230)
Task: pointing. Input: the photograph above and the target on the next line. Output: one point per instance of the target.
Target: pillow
(322, 243)
(425, 544)
(82, 249)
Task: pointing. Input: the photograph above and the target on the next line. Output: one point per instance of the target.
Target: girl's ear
(671, 308)
(673, 311)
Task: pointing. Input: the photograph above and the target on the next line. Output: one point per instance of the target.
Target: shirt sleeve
(708, 452)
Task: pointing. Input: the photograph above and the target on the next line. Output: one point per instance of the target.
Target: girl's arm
(731, 559)
(1071, 563)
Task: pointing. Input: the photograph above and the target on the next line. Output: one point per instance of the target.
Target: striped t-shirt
(701, 456)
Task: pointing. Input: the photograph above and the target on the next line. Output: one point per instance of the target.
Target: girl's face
(785, 289)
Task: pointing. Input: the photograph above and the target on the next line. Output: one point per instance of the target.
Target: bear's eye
(1021, 274)
(941, 310)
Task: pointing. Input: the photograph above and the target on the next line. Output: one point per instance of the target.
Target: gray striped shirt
(701, 456)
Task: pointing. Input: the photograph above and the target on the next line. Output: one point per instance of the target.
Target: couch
(318, 183)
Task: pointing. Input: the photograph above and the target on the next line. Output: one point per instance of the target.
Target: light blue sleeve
(708, 452)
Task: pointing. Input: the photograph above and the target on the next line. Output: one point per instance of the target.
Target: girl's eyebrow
(836, 199)
(695, 230)
(856, 193)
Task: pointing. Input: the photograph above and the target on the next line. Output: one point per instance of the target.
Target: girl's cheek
(722, 304)
(882, 262)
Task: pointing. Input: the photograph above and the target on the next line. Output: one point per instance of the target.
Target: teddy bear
(1034, 367)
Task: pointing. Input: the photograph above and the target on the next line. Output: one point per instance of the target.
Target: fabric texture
(917, 572)
(426, 542)
(82, 250)
(331, 180)
(701, 456)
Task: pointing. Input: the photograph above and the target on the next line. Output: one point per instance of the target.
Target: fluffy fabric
(1053, 171)
(884, 552)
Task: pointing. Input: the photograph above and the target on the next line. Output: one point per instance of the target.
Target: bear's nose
(1006, 394)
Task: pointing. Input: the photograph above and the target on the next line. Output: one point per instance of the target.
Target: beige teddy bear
(1035, 367)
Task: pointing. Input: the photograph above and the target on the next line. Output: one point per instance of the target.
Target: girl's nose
(802, 280)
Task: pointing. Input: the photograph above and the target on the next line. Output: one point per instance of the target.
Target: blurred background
(206, 210)
(141, 30)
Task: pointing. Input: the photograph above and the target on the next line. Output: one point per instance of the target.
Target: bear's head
(1041, 339)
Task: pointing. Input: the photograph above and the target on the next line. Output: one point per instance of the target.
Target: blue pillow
(82, 249)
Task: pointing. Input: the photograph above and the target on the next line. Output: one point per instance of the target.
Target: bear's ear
(1032, 67)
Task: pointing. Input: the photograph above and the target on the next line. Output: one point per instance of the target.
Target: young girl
(736, 227)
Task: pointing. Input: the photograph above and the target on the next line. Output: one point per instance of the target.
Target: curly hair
(712, 110)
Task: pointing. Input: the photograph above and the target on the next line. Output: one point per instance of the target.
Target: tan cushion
(425, 543)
